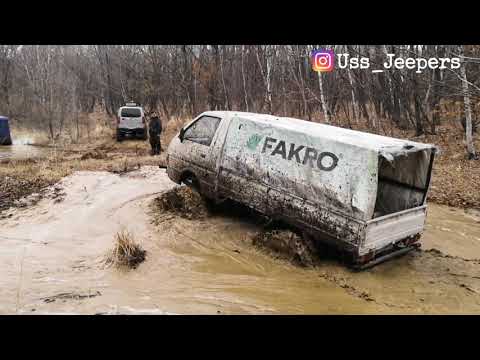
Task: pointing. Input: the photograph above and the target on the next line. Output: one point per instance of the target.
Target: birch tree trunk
(389, 79)
(301, 81)
(266, 74)
(322, 98)
(284, 94)
(225, 93)
(243, 79)
(356, 114)
(468, 109)
(355, 106)
(269, 79)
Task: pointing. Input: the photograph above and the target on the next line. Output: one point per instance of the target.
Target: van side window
(202, 130)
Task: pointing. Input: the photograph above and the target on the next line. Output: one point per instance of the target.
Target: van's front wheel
(192, 182)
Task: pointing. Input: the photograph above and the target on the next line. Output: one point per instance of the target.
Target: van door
(198, 150)
(239, 175)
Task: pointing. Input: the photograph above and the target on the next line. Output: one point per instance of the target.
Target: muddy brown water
(51, 261)
(23, 152)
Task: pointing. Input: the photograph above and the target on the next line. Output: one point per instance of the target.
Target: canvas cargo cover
(333, 167)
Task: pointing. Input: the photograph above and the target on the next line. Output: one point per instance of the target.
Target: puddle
(23, 152)
(55, 250)
(453, 231)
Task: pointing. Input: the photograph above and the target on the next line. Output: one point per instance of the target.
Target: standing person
(154, 131)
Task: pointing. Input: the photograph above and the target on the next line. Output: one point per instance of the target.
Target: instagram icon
(322, 60)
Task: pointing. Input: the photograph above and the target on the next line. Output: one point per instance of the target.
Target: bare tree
(244, 82)
(468, 109)
(55, 87)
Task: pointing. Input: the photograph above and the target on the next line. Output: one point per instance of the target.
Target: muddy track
(51, 260)
(425, 281)
(438, 253)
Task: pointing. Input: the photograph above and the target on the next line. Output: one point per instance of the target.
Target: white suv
(131, 122)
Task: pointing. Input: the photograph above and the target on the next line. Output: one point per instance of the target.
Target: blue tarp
(5, 138)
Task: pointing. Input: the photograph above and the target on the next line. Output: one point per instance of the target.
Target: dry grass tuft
(126, 252)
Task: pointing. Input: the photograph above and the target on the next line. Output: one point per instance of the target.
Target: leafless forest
(52, 87)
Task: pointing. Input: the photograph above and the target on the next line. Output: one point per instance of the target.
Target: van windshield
(131, 112)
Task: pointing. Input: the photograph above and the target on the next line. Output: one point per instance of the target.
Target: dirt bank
(454, 177)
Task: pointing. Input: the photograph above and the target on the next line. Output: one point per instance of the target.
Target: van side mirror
(182, 134)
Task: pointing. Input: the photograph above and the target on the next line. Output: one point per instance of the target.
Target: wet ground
(52, 261)
(22, 151)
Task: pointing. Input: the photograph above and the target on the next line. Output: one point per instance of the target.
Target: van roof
(379, 143)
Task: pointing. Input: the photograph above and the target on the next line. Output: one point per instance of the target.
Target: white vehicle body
(359, 191)
(131, 121)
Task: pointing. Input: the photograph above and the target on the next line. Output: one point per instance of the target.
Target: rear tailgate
(131, 123)
(389, 229)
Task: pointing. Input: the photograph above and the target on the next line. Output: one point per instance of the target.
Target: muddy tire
(192, 182)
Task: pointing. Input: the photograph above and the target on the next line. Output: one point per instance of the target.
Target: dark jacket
(155, 127)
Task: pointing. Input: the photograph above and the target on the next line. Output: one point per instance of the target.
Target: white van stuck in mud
(363, 193)
(131, 122)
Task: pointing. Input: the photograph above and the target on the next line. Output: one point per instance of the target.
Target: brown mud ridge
(182, 201)
(438, 253)
(70, 296)
(94, 154)
(288, 245)
(24, 195)
(278, 239)
(16, 192)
